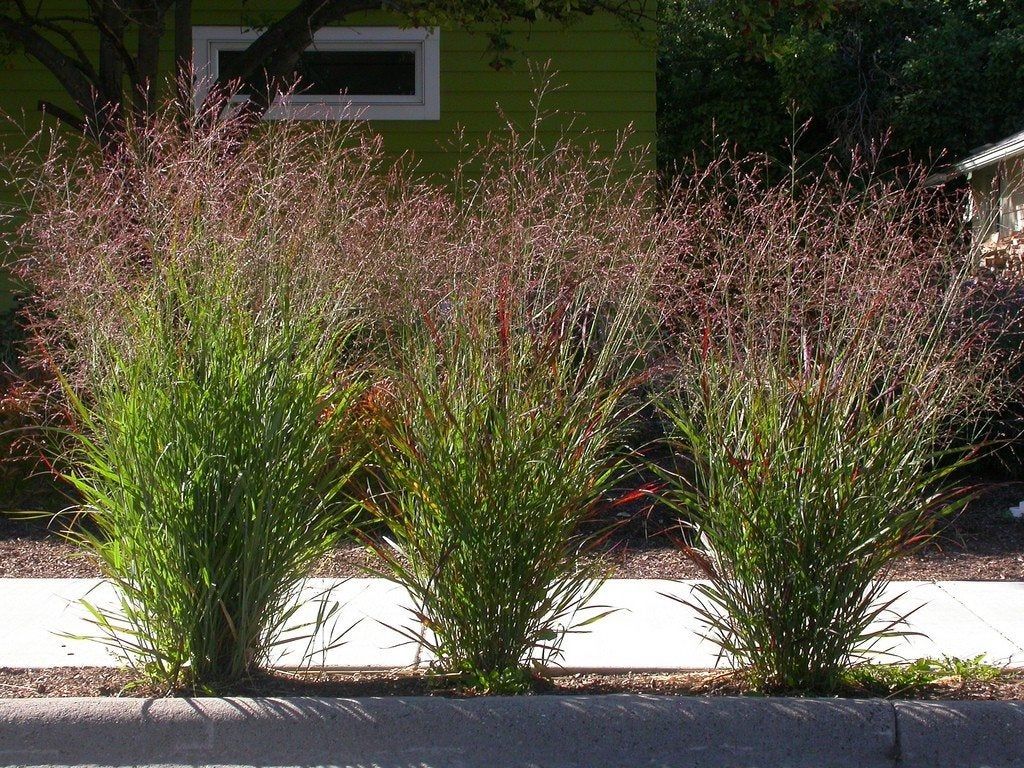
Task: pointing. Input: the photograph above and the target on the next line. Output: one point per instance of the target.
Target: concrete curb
(955, 733)
(543, 731)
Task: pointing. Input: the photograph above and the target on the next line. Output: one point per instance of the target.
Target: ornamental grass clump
(826, 367)
(805, 489)
(505, 419)
(210, 461)
(500, 435)
(200, 296)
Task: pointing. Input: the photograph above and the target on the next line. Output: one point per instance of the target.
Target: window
(372, 73)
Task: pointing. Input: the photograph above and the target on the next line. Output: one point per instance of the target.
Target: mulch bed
(982, 544)
(100, 681)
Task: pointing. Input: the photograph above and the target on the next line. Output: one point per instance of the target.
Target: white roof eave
(1008, 147)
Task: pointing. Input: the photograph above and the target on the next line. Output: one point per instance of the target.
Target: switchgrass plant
(323, 198)
(825, 365)
(502, 432)
(804, 490)
(210, 462)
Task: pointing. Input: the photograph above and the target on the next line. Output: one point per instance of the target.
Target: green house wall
(602, 72)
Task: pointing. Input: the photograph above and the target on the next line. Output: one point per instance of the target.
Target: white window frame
(425, 104)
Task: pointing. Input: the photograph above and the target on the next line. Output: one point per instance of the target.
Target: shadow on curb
(547, 732)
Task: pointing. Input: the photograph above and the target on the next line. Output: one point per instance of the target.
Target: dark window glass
(355, 73)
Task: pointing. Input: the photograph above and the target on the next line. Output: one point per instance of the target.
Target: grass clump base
(85, 681)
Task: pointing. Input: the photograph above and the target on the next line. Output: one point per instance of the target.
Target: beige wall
(997, 200)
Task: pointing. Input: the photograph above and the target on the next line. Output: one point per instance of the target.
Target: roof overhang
(993, 153)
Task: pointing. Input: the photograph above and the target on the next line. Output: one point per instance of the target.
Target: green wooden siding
(604, 70)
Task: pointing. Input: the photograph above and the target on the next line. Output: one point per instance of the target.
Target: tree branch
(276, 51)
(115, 58)
(151, 30)
(53, 25)
(70, 73)
(183, 73)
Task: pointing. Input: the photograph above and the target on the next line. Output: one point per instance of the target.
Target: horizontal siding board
(626, 105)
(428, 141)
(455, 63)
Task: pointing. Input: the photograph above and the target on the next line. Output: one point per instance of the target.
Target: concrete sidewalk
(649, 633)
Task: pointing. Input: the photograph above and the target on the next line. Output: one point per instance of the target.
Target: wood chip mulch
(99, 681)
(982, 544)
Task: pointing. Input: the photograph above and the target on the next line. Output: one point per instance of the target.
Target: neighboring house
(417, 86)
(996, 175)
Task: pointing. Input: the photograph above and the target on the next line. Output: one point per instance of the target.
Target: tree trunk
(151, 30)
(183, 75)
(112, 57)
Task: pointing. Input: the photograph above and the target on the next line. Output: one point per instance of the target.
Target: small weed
(920, 675)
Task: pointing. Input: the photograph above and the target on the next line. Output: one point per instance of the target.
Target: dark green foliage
(933, 75)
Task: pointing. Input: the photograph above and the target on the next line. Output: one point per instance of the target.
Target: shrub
(1000, 304)
(210, 464)
(497, 442)
(826, 361)
(18, 451)
(16, 416)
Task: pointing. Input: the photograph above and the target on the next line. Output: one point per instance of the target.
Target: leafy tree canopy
(933, 75)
